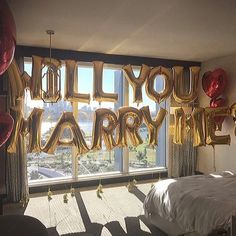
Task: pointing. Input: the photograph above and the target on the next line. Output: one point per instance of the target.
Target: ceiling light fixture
(51, 79)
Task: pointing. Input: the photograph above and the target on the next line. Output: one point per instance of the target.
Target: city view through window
(63, 163)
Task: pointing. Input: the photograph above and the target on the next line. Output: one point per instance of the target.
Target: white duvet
(196, 203)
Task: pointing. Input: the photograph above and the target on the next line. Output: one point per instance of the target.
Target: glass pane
(102, 161)
(145, 156)
(42, 165)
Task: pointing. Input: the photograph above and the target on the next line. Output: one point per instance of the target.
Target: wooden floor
(118, 213)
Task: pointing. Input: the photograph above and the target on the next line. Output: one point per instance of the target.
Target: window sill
(93, 180)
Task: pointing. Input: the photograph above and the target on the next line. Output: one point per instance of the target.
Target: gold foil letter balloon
(17, 116)
(17, 85)
(156, 73)
(233, 110)
(66, 120)
(98, 94)
(179, 93)
(233, 114)
(198, 127)
(129, 120)
(71, 84)
(136, 83)
(107, 132)
(33, 127)
(179, 127)
(50, 78)
(211, 113)
(153, 125)
(36, 86)
(196, 123)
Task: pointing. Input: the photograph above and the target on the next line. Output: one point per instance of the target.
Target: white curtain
(183, 158)
(16, 164)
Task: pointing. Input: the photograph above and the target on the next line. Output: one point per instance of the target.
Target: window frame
(122, 153)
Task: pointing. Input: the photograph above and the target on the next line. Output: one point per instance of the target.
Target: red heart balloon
(6, 126)
(7, 37)
(219, 102)
(206, 81)
(214, 83)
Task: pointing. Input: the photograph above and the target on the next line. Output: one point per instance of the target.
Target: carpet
(118, 213)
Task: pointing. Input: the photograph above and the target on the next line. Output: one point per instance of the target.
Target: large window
(42, 165)
(64, 163)
(145, 156)
(102, 161)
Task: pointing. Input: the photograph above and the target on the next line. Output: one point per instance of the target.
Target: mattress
(196, 203)
(170, 228)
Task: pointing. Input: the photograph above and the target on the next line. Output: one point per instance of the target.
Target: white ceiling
(175, 29)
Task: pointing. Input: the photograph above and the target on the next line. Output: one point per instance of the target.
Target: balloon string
(50, 52)
(49, 209)
(214, 159)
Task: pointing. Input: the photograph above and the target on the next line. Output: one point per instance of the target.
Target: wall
(225, 155)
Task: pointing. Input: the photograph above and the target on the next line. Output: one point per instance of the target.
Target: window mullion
(74, 153)
(162, 139)
(126, 103)
(121, 86)
(75, 162)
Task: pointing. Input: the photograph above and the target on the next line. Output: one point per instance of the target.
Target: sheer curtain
(182, 158)
(16, 167)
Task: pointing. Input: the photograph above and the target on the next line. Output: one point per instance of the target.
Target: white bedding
(196, 203)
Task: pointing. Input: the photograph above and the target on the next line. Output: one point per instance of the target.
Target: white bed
(197, 203)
